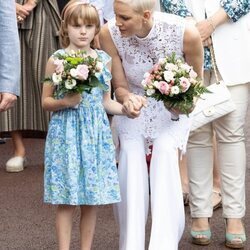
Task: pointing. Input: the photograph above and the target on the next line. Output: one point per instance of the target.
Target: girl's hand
(205, 29)
(71, 100)
(133, 104)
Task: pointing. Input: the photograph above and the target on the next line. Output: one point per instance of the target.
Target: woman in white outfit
(136, 39)
(226, 25)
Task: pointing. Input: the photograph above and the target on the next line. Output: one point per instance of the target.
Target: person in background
(38, 24)
(9, 56)
(225, 25)
(136, 39)
(9, 61)
(180, 8)
(85, 172)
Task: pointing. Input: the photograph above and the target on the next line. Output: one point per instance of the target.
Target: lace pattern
(138, 56)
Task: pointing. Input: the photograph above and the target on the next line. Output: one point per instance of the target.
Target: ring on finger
(19, 18)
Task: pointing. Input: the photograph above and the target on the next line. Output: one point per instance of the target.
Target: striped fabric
(38, 40)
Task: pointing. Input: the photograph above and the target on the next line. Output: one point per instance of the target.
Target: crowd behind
(204, 169)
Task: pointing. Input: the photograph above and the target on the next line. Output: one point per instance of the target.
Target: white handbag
(211, 106)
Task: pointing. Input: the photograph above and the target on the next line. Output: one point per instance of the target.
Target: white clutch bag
(211, 106)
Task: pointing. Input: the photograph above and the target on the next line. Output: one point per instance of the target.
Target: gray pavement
(26, 223)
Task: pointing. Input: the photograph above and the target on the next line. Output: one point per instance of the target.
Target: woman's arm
(193, 49)
(131, 102)
(178, 8)
(230, 10)
(49, 103)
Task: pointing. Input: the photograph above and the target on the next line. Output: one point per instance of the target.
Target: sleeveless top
(138, 55)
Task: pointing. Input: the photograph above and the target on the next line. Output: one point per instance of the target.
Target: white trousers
(167, 209)
(231, 156)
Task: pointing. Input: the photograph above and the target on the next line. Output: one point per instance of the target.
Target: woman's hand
(207, 43)
(71, 100)
(21, 12)
(30, 5)
(133, 104)
(205, 28)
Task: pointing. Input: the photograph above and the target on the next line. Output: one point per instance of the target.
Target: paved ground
(28, 224)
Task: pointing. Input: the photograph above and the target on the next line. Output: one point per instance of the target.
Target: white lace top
(138, 56)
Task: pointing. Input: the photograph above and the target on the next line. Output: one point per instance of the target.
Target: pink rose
(82, 72)
(163, 87)
(185, 84)
(59, 66)
(156, 67)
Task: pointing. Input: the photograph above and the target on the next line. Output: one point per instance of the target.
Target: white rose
(150, 92)
(175, 90)
(156, 84)
(168, 76)
(99, 66)
(171, 67)
(73, 73)
(70, 84)
(56, 78)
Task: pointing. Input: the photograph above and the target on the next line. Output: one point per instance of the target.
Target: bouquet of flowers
(174, 82)
(76, 72)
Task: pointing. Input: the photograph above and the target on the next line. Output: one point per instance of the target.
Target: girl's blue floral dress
(80, 167)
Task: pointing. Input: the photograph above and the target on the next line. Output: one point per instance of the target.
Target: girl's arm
(49, 103)
(111, 107)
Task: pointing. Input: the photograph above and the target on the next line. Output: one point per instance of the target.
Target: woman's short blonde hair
(140, 5)
(74, 13)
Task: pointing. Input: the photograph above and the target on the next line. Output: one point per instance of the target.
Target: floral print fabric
(235, 9)
(80, 167)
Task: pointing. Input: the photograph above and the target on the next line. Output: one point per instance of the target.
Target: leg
(133, 209)
(200, 172)
(16, 163)
(184, 179)
(64, 216)
(168, 219)
(17, 139)
(87, 226)
(232, 159)
(216, 196)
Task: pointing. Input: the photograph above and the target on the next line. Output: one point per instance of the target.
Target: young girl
(79, 153)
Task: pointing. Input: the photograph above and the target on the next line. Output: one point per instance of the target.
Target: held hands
(133, 104)
(71, 100)
(7, 101)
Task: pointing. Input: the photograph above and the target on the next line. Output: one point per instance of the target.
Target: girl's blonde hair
(140, 5)
(74, 13)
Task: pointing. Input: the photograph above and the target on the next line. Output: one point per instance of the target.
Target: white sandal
(15, 164)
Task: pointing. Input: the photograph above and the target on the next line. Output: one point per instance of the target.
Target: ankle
(20, 153)
(234, 226)
(199, 224)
